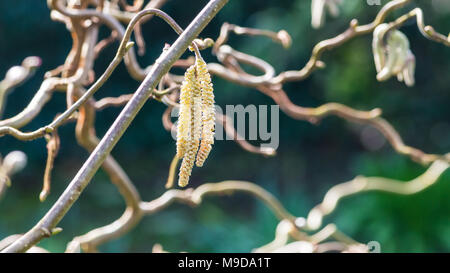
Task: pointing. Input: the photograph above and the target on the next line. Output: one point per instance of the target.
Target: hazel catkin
(196, 119)
(184, 116)
(208, 112)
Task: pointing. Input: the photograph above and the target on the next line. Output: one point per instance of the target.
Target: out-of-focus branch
(426, 30)
(91, 240)
(331, 231)
(123, 48)
(123, 99)
(132, 65)
(41, 97)
(16, 76)
(53, 143)
(354, 30)
(126, 16)
(230, 131)
(362, 184)
(100, 46)
(284, 230)
(305, 243)
(281, 37)
(38, 101)
(225, 51)
(44, 94)
(364, 117)
(172, 171)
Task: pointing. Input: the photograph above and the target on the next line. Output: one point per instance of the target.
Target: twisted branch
(363, 184)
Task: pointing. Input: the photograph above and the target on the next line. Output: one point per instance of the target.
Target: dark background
(311, 158)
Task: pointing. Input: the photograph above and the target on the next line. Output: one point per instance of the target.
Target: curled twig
(363, 184)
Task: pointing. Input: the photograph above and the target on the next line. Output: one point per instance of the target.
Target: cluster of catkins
(392, 55)
(196, 119)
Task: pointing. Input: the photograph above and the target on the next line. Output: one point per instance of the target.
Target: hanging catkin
(208, 112)
(196, 119)
(184, 117)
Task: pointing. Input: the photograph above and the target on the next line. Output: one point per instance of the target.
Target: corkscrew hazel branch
(331, 231)
(230, 131)
(281, 37)
(122, 50)
(67, 113)
(91, 240)
(282, 234)
(10, 126)
(372, 118)
(123, 99)
(426, 30)
(50, 85)
(15, 76)
(304, 243)
(354, 30)
(363, 184)
(115, 26)
(126, 16)
(172, 171)
(53, 143)
(315, 115)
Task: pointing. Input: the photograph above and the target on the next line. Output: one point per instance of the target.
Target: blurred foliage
(311, 158)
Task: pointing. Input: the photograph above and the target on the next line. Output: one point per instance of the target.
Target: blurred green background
(311, 158)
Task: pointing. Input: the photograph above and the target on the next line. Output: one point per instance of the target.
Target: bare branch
(363, 184)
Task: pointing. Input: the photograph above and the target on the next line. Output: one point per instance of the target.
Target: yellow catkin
(208, 112)
(195, 108)
(184, 117)
(196, 120)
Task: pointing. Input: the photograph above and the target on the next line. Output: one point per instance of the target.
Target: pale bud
(17, 74)
(318, 11)
(14, 162)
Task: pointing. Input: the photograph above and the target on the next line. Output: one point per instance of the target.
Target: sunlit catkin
(184, 117)
(196, 119)
(208, 112)
(192, 144)
(187, 144)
